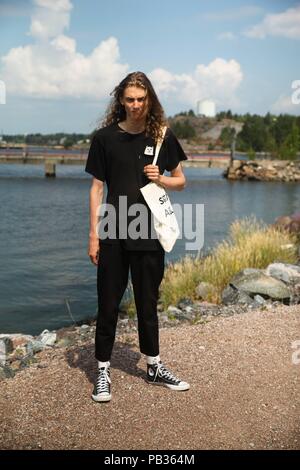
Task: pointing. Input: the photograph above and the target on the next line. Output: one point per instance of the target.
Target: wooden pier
(51, 160)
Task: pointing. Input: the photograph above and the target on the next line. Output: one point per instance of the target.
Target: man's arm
(175, 182)
(96, 196)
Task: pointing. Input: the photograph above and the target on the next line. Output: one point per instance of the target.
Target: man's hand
(94, 250)
(175, 182)
(152, 172)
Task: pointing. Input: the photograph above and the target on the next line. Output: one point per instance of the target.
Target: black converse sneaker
(158, 374)
(102, 387)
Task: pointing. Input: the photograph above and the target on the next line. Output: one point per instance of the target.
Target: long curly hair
(155, 118)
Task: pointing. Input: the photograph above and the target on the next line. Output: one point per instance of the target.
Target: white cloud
(285, 24)
(284, 104)
(52, 68)
(218, 81)
(234, 14)
(57, 5)
(50, 18)
(64, 43)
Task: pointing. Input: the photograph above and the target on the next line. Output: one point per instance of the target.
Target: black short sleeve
(95, 164)
(175, 153)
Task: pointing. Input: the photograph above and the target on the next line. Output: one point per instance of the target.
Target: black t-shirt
(118, 158)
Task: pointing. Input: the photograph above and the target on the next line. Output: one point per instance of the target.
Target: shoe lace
(163, 372)
(103, 380)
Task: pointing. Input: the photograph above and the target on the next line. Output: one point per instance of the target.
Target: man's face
(135, 102)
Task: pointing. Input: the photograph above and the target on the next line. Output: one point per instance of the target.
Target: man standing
(121, 153)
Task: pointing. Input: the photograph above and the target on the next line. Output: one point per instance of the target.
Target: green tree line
(277, 135)
(60, 138)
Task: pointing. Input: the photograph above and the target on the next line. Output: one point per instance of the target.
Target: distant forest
(279, 135)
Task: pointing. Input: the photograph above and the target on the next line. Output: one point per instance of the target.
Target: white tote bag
(165, 222)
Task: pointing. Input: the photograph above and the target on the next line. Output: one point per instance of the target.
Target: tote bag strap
(159, 144)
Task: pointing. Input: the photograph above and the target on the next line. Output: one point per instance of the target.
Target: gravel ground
(244, 391)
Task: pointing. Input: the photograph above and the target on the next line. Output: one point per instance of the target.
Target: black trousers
(147, 270)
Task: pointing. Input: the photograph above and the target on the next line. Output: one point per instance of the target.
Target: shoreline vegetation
(251, 244)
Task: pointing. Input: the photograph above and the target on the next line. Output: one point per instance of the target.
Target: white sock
(153, 359)
(103, 364)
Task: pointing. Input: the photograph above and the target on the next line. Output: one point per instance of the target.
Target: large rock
(17, 339)
(204, 289)
(47, 338)
(231, 295)
(6, 347)
(255, 281)
(175, 312)
(288, 273)
(236, 164)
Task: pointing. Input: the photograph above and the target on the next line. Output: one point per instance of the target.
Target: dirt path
(245, 392)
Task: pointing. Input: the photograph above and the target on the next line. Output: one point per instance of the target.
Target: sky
(60, 59)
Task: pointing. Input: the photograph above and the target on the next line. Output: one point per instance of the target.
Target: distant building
(206, 108)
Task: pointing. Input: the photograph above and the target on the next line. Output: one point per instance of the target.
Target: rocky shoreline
(264, 170)
(22, 351)
(250, 289)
